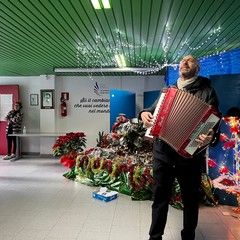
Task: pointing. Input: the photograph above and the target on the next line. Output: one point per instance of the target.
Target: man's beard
(188, 74)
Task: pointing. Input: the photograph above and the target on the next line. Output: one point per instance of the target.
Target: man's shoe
(7, 157)
(13, 155)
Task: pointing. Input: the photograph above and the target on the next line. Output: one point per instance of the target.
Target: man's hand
(205, 139)
(147, 119)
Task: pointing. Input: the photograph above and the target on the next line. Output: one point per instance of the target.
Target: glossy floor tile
(38, 203)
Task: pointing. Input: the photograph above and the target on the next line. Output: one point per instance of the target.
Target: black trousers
(12, 144)
(188, 173)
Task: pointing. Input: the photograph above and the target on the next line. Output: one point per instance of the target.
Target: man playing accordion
(168, 164)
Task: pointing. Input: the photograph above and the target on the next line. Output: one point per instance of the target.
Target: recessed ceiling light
(120, 59)
(96, 4)
(106, 4)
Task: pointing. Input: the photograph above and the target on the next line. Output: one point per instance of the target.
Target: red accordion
(179, 118)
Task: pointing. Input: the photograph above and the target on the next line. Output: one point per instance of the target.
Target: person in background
(168, 164)
(14, 125)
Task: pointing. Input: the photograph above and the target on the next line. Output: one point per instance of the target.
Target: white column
(47, 116)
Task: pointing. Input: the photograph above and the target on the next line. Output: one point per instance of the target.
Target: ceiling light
(120, 60)
(106, 4)
(96, 4)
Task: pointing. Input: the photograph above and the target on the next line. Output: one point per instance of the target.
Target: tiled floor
(37, 202)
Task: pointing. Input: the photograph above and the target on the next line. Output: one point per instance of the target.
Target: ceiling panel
(37, 36)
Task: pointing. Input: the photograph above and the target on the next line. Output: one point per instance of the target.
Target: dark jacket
(202, 89)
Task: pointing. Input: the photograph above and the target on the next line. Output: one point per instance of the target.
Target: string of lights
(93, 58)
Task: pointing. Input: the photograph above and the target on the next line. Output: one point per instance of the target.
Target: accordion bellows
(179, 118)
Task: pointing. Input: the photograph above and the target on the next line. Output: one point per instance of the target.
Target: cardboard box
(105, 195)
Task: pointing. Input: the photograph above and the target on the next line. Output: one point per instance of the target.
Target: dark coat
(202, 89)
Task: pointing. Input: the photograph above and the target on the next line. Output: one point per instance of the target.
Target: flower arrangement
(127, 178)
(139, 176)
(68, 146)
(130, 179)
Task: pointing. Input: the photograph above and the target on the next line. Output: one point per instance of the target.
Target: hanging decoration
(212, 34)
(101, 54)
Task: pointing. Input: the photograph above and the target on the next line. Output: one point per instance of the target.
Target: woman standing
(14, 125)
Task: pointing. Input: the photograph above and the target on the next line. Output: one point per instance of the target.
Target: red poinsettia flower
(227, 182)
(68, 146)
(68, 162)
(212, 163)
(228, 145)
(224, 170)
(70, 143)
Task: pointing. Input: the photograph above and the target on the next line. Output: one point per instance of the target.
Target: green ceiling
(37, 36)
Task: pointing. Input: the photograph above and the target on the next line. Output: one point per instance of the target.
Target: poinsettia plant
(70, 144)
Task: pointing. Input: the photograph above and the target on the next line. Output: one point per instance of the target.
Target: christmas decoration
(122, 162)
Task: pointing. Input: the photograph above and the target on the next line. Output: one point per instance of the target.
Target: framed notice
(47, 99)
(33, 99)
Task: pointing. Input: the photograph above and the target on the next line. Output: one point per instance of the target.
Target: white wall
(27, 86)
(78, 119)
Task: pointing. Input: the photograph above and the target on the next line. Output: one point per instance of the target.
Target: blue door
(121, 101)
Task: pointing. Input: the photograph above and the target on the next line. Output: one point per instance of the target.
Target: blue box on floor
(105, 196)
